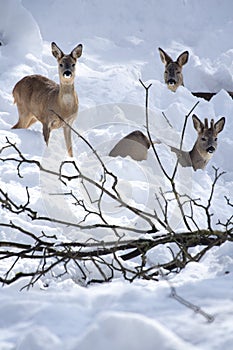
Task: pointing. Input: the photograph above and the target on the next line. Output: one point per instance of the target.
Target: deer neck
(199, 161)
(67, 95)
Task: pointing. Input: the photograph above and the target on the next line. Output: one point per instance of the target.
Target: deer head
(173, 69)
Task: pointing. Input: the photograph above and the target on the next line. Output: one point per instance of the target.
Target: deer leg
(67, 135)
(24, 121)
(46, 132)
(26, 118)
(32, 121)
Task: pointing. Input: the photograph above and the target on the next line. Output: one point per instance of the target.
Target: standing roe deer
(173, 69)
(136, 145)
(39, 98)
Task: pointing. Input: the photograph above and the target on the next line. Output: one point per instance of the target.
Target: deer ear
(165, 58)
(219, 125)
(183, 58)
(56, 51)
(77, 51)
(197, 123)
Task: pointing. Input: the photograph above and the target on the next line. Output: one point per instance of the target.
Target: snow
(120, 45)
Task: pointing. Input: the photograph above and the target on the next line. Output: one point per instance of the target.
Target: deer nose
(67, 74)
(210, 149)
(171, 82)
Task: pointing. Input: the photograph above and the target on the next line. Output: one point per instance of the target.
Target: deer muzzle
(67, 74)
(171, 82)
(210, 149)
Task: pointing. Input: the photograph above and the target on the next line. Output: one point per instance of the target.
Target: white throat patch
(67, 98)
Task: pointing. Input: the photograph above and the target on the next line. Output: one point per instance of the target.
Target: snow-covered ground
(120, 45)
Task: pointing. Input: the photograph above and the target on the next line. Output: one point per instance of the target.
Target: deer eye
(216, 139)
(203, 139)
(73, 65)
(61, 65)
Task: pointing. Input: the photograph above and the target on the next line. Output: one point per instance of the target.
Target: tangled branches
(38, 235)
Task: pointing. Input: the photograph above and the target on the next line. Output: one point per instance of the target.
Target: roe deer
(135, 145)
(39, 98)
(173, 74)
(204, 146)
(173, 69)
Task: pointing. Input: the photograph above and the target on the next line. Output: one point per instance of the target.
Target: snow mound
(19, 32)
(116, 330)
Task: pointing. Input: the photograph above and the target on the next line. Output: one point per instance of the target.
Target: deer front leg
(67, 135)
(46, 132)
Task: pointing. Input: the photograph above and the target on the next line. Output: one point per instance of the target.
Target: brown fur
(204, 146)
(173, 69)
(38, 97)
(135, 145)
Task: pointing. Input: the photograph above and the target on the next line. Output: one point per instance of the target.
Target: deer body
(39, 98)
(135, 145)
(173, 69)
(204, 146)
